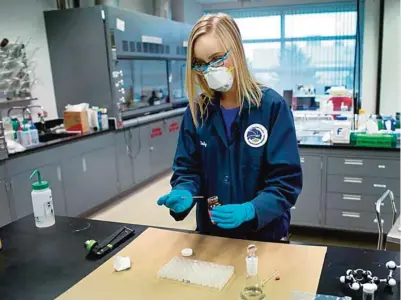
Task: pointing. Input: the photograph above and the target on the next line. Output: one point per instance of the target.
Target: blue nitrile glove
(233, 215)
(177, 200)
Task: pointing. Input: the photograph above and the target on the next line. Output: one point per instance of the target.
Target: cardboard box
(76, 121)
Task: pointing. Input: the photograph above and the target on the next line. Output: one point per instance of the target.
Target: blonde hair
(227, 32)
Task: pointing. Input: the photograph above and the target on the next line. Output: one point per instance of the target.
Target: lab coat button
(226, 179)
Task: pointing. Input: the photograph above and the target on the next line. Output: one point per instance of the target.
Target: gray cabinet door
(158, 148)
(358, 203)
(101, 175)
(307, 208)
(141, 153)
(21, 190)
(173, 130)
(5, 216)
(357, 221)
(124, 160)
(77, 192)
(306, 211)
(362, 185)
(361, 166)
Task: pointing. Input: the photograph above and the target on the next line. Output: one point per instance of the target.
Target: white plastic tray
(197, 272)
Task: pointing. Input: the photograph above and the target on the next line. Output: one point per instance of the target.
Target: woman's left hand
(232, 215)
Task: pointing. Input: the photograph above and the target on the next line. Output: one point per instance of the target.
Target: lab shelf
(4, 102)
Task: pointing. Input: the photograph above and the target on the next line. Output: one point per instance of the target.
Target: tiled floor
(140, 207)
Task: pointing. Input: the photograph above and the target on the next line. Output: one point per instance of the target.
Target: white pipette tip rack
(197, 272)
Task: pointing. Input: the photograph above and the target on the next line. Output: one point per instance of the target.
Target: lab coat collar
(215, 103)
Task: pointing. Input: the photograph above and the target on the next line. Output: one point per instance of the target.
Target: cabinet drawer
(364, 167)
(362, 185)
(312, 174)
(306, 210)
(352, 220)
(358, 203)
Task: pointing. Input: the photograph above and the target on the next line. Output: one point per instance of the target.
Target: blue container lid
(341, 118)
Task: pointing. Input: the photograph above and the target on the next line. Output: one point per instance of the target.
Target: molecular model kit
(356, 279)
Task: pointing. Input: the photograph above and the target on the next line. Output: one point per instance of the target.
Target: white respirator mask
(219, 79)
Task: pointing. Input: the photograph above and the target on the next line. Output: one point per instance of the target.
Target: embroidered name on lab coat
(256, 135)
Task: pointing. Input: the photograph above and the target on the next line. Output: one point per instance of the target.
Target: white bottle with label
(42, 202)
(341, 130)
(105, 119)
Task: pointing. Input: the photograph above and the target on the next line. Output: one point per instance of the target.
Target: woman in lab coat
(237, 141)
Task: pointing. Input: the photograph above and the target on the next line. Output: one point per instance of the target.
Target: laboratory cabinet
(5, 215)
(89, 174)
(306, 211)
(173, 130)
(125, 170)
(158, 145)
(153, 147)
(76, 193)
(101, 175)
(19, 170)
(140, 148)
(350, 182)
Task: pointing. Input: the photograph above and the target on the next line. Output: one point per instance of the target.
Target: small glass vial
(253, 287)
(212, 202)
(369, 291)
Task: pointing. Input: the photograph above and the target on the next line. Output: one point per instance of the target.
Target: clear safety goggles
(218, 62)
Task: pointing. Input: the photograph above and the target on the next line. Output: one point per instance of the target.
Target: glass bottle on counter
(253, 287)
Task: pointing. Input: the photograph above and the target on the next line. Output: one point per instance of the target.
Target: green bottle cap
(39, 185)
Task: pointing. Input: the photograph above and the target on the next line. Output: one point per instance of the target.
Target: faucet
(41, 115)
(13, 108)
(25, 111)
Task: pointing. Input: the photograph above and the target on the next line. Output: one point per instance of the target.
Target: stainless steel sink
(54, 136)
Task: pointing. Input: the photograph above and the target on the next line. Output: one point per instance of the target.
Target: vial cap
(369, 288)
(38, 185)
(187, 252)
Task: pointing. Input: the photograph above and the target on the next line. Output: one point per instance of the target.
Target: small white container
(369, 290)
(25, 138)
(94, 118)
(341, 131)
(105, 119)
(34, 136)
(42, 202)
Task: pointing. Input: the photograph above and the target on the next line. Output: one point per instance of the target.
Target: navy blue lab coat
(206, 163)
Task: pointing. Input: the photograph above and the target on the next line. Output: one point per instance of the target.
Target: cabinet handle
(381, 166)
(383, 186)
(352, 197)
(152, 148)
(59, 173)
(302, 159)
(375, 221)
(83, 164)
(352, 180)
(351, 215)
(354, 162)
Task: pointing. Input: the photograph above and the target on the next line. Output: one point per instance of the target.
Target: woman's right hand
(177, 200)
